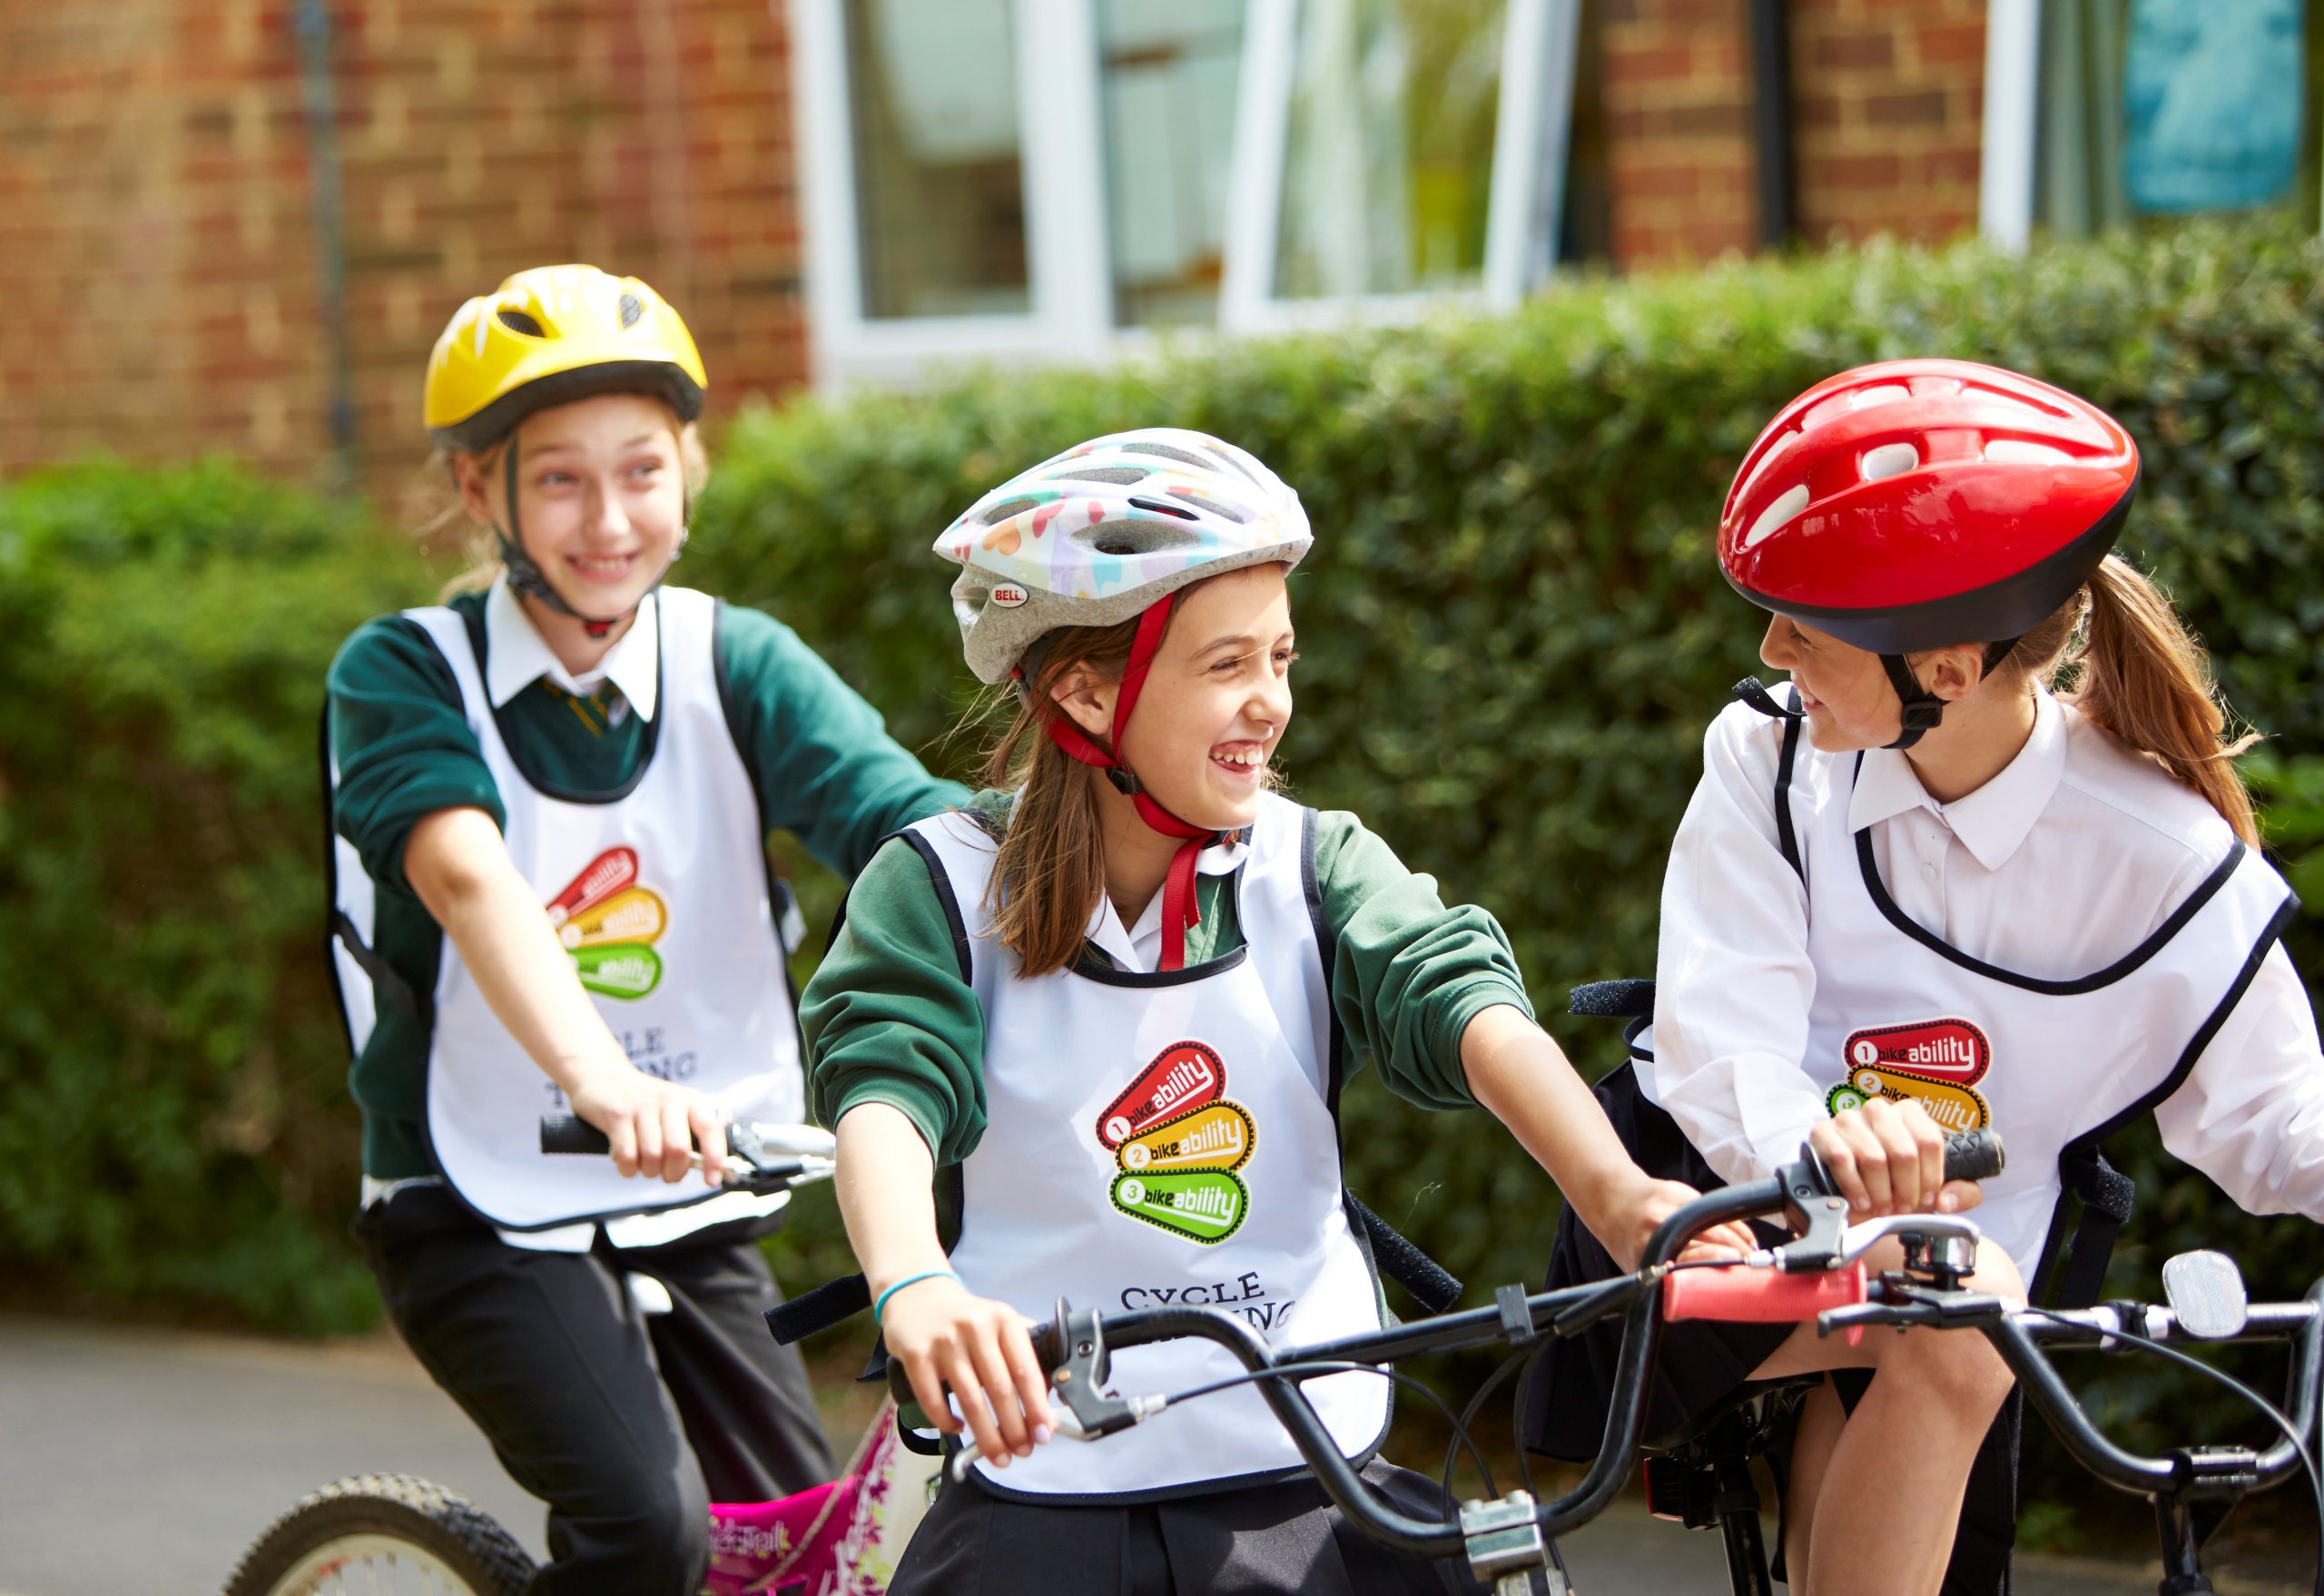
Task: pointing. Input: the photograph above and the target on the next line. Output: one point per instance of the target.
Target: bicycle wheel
(386, 1533)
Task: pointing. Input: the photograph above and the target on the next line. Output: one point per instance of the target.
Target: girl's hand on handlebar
(655, 1126)
(1889, 1157)
(975, 1350)
(1653, 1201)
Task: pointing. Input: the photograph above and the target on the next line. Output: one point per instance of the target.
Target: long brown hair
(1051, 868)
(2140, 675)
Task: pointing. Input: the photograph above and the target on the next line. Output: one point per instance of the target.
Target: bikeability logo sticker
(1933, 1062)
(1178, 1141)
(609, 924)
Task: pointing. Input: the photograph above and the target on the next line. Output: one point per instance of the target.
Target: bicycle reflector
(2205, 1289)
(1741, 1295)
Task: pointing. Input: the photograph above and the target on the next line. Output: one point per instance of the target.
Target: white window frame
(1069, 279)
(2012, 123)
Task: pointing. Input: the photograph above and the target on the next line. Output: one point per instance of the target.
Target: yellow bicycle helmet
(549, 336)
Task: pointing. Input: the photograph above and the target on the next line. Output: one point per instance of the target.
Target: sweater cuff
(915, 1103)
(1454, 1010)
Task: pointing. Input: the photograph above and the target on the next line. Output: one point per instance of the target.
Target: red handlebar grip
(1741, 1295)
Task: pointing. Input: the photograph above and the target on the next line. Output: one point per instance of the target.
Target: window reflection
(1168, 88)
(1388, 164)
(939, 164)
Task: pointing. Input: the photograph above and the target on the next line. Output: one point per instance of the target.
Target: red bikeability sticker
(1185, 1075)
(1950, 1050)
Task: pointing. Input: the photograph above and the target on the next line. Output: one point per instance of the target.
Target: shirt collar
(517, 655)
(1991, 822)
(1139, 948)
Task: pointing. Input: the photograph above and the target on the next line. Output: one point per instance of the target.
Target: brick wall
(1887, 105)
(1677, 90)
(157, 253)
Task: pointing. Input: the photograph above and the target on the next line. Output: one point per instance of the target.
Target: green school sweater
(818, 756)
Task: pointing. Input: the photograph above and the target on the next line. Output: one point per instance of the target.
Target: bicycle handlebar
(1081, 1344)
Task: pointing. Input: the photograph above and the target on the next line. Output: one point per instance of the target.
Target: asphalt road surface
(135, 1460)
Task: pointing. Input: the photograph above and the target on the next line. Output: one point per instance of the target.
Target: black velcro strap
(829, 1304)
(1613, 999)
(2107, 1197)
(388, 984)
(1431, 1284)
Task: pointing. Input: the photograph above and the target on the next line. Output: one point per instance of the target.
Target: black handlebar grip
(569, 1133)
(1047, 1351)
(1974, 1155)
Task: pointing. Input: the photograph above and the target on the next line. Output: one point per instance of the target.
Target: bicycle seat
(1760, 1405)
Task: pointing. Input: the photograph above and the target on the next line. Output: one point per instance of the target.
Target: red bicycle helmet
(1915, 504)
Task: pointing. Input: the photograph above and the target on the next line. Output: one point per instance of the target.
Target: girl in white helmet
(1114, 999)
(551, 799)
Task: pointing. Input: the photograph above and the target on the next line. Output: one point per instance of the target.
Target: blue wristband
(910, 1280)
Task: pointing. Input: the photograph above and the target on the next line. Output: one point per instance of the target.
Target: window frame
(1070, 283)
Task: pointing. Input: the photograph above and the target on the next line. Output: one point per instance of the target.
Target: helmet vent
(1863, 398)
(1170, 452)
(1008, 508)
(633, 311)
(2019, 451)
(1116, 476)
(1777, 516)
(1890, 460)
(519, 321)
(1158, 507)
(1223, 511)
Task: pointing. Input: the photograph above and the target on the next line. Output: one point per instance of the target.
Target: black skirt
(1699, 1364)
(1256, 1540)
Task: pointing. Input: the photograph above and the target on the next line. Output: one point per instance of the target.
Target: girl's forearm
(1523, 1078)
(459, 865)
(884, 1182)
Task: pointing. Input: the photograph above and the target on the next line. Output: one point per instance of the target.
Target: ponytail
(2147, 681)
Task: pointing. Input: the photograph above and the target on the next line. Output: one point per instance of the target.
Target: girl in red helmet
(1924, 888)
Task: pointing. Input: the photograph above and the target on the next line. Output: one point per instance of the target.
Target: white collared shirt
(2044, 871)
(517, 655)
(1138, 948)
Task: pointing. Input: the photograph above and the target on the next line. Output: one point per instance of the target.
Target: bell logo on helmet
(1009, 594)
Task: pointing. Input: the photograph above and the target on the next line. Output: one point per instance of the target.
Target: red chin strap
(1179, 908)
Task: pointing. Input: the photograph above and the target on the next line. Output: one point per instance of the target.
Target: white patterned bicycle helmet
(1097, 535)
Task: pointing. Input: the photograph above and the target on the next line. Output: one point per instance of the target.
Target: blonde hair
(483, 543)
(2137, 671)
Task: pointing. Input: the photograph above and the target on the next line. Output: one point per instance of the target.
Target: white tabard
(1167, 1137)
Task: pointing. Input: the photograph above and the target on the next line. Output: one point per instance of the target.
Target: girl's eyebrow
(1242, 641)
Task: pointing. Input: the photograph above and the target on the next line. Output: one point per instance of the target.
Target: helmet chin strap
(525, 575)
(1921, 709)
(1180, 909)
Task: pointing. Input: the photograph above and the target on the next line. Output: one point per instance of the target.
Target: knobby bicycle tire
(369, 1514)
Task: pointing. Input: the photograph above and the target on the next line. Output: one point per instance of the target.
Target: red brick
(1912, 108)
(1853, 50)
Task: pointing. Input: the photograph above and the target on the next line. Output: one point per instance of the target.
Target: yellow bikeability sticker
(1219, 1137)
(1205, 1206)
(1954, 1108)
(608, 923)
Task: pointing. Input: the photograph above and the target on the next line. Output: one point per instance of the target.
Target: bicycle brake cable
(2275, 1415)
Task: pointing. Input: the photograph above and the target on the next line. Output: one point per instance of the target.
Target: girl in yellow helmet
(551, 799)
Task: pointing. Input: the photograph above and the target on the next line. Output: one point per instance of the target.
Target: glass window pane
(1167, 93)
(1388, 164)
(2172, 108)
(939, 172)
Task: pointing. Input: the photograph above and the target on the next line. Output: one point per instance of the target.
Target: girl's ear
(1088, 698)
(1952, 672)
(477, 496)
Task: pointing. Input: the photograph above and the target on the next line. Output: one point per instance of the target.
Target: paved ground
(141, 1461)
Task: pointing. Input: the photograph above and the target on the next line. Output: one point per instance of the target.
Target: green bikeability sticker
(1202, 1205)
(625, 969)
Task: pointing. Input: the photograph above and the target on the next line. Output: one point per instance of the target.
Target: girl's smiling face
(1216, 700)
(1844, 689)
(600, 500)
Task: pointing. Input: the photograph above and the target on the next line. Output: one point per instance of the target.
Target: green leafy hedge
(1512, 627)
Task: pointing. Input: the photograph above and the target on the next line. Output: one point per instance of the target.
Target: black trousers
(1252, 1540)
(628, 1427)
